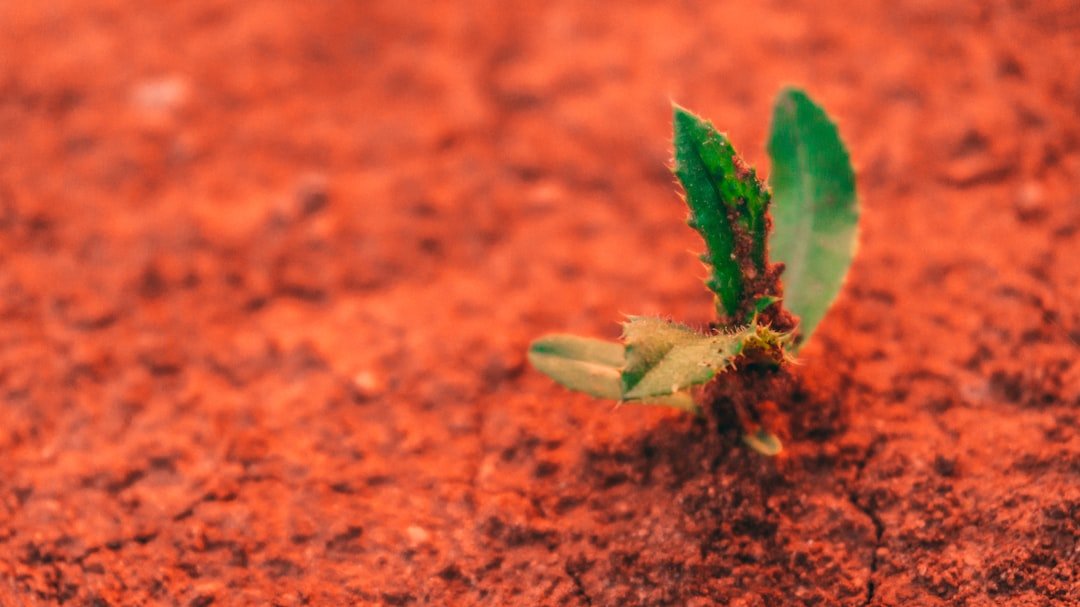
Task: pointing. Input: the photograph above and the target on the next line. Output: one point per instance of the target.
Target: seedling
(761, 323)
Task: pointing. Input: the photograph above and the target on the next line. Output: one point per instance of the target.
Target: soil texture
(268, 271)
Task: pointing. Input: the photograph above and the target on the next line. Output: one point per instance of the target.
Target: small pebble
(368, 384)
(417, 535)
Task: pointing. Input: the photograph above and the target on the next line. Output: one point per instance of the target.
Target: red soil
(268, 270)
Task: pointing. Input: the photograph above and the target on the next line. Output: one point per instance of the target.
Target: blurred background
(268, 269)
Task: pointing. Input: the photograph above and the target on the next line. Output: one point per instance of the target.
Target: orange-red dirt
(268, 271)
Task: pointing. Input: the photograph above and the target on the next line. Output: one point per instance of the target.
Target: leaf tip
(684, 121)
(792, 92)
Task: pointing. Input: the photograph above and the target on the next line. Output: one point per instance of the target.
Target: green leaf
(587, 365)
(594, 366)
(764, 442)
(816, 213)
(728, 208)
(648, 340)
(665, 358)
(760, 304)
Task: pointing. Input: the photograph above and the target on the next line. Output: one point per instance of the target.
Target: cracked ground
(268, 271)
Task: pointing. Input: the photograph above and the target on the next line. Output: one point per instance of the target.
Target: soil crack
(871, 513)
(879, 530)
(573, 571)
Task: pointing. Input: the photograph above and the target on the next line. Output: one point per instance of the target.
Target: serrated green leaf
(727, 205)
(665, 358)
(648, 340)
(684, 366)
(587, 365)
(816, 213)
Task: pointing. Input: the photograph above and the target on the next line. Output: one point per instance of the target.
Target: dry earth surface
(268, 271)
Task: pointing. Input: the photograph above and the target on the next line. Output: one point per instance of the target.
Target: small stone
(164, 93)
(368, 384)
(1030, 205)
(417, 535)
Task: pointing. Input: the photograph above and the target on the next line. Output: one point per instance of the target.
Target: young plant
(761, 323)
